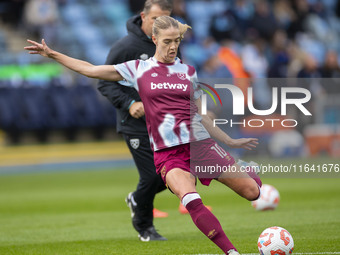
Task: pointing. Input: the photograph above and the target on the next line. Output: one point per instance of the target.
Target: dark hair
(165, 5)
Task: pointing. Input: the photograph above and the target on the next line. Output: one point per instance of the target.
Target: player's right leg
(207, 154)
(183, 184)
(241, 182)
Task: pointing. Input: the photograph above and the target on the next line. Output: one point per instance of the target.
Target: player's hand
(137, 110)
(39, 48)
(245, 143)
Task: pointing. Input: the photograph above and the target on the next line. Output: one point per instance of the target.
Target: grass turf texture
(83, 212)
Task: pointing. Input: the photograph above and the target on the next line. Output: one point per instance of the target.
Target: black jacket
(136, 45)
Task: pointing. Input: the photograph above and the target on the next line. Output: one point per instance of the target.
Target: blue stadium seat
(89, 111)
(61, 107)
(33, 111)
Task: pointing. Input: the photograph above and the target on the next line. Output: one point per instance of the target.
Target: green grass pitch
(83, 212)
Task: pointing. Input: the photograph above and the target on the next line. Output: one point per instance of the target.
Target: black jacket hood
(133, 26)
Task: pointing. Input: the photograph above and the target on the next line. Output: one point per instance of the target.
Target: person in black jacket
(130, 116)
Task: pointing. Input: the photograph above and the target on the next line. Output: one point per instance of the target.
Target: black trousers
(150, 183)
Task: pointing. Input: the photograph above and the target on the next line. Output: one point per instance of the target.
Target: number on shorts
(219, 150)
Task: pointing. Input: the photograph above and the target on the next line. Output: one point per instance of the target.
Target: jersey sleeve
(195, 84)
(128, 70)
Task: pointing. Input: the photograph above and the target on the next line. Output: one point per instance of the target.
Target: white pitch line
(294, 253)
(312, 253)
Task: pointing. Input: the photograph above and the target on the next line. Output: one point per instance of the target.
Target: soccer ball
(275, 241)
(268, 200)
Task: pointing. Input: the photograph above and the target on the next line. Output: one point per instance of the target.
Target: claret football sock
(206, 221)
(183, 210)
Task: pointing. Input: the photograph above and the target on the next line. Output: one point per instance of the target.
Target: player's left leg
(182, 184)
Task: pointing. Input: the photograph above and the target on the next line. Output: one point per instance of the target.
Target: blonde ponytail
(183, 28)
(164, 22)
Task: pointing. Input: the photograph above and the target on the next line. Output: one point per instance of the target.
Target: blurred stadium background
(41, 102)
(52, 119)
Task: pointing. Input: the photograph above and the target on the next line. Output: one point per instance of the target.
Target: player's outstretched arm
(217, 133)
(104, 72)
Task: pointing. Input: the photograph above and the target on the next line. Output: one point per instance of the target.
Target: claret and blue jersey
(168, 92)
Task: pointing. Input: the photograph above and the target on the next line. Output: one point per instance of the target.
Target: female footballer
(180, 137)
